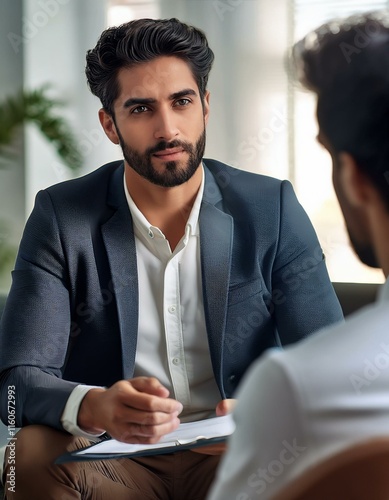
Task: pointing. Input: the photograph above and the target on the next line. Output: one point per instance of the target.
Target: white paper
(186, 433)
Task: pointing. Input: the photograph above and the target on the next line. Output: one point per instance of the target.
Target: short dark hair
(346, 63)
(141, 41)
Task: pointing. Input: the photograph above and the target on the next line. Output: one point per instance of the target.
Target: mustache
(162, 145)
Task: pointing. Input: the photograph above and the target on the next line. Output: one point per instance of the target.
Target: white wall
(64, 30)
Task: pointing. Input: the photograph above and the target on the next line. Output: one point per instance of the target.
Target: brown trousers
(179, 476)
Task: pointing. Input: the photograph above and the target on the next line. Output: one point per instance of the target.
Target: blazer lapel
(119, 241)
(216, 237)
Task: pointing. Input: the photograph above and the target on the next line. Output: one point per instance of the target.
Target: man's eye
(183, 102)
(140, 109)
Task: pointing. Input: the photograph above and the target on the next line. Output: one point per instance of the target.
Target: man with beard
(330, 391)
(144, 290)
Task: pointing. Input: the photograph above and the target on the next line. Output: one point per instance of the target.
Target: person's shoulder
(239, 186)
(86, 196)
(359, 336)
(225, 173)
(88, 185)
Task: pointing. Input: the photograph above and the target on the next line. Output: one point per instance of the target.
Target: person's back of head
(346, 64)
(141, 41)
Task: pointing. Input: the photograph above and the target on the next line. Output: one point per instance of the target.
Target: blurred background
(260, 120)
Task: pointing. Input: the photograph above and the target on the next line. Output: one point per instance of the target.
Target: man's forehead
(158, 78)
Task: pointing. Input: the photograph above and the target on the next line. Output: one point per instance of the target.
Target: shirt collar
(144, 226)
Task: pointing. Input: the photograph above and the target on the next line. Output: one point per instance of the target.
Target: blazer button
(231, 378)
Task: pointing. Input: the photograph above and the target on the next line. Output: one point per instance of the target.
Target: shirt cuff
(70, 413)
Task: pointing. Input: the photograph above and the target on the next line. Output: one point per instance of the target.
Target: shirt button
(172, 309)
(176, 361)
(151, 234)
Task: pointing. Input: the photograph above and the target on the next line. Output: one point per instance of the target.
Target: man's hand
(133, 411)
(224, 407)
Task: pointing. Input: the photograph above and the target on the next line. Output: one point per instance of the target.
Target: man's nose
(166, 126)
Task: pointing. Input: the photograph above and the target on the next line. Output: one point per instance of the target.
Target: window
(310, 163)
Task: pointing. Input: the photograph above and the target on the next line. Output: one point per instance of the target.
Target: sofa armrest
(353, 296)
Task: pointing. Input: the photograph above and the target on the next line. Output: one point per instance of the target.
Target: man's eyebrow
(182, 93)
(136, 101)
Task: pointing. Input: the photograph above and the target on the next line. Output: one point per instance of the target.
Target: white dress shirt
(172, 338)
(298, 406)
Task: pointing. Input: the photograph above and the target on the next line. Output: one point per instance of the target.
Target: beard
(364, 251)
(173, 175)
(355, 221)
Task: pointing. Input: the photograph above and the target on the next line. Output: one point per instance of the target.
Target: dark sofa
(353, 296)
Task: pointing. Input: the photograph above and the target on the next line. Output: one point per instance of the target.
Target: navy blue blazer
(72, 312)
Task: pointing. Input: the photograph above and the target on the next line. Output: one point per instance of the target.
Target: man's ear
(108, 125)
(355, 184)
(206, 106)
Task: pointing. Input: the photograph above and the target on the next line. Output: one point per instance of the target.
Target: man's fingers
(144, 433)
(149, 403)
(150, 385)
(225, 407)
(150, 431)
(136, 410)
(134, 416)
(147, 394)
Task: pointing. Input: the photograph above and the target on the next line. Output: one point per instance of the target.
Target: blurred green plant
(37, 107)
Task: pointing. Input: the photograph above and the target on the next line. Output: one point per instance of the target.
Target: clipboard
(187, 436)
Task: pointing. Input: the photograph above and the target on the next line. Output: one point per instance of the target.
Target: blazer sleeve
(303, 297)
(36, 325)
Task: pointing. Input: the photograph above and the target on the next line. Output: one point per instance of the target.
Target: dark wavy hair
(140, 41)
(346, 63)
